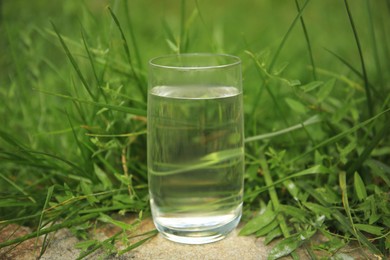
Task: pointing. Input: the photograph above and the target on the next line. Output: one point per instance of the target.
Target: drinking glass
(195, 146)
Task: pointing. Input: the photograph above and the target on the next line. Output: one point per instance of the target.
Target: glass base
(197, 235)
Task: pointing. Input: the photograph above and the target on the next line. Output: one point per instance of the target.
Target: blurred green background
(33, 58)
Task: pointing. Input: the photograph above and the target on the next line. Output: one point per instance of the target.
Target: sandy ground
(62, 246)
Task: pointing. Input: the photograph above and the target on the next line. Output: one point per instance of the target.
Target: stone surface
(232, 247)
(62, 246)
(29, 249)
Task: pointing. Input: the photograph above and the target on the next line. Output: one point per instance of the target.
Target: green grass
(316, 101)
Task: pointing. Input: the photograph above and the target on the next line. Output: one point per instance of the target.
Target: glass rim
(230, 61)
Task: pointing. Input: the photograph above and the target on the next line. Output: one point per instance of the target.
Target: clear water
(195, 161)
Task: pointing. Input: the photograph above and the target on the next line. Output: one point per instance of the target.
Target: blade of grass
(310, 121)
(286, 35)
(65, 224)
(380, 169)
(346, 63)
(265, 83)
(72, 177)
(143, 132)
(129, 110)
(344, 196)
(339, 217)
(81, 148)
(259, 222)
(17, 187)
(343, 78)
(358, 162)
(20, 73)
(99, 244)
(132, 35)
(273, 195)
(359, 236)
(375, 46)
(339, 136)
(274, 198)
(288, 245)
(101, 158)
(12, 141)
(362, 62)
(91, 62)
(125, 226)
(315, 170)
(206, 161)
(83, 36)
(36, 163)
(182, 39)
(125, 168)
(108, 209)
(126, 48)
(309, 49)
(137, 244)
(74, 166)
(354, 70)
(29, 217)
(170, 37)
(200, 14)
(260, 92)
(22, 158)
(9, 203)
(115, 93)
(360, 188)
(81, 110)
(49, 194)
(385, 39)
(74, 63)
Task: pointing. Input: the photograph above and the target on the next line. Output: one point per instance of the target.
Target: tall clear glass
(195, 146)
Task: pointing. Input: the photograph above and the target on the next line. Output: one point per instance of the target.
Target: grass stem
(308, 43)
(53, 228)
(273, 195)
(286, 35)
(362, 62)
